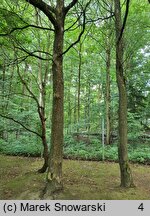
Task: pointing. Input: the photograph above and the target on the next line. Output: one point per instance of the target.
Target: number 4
(141, 207)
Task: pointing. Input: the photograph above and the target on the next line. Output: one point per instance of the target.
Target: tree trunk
(79, 86)
(41, 111)
(3, 73)
(108, 51)
(56, 14)
(54, 176)
(126, 175)
(88, 108)
(69, 110)
(75, 106)
(41, 108)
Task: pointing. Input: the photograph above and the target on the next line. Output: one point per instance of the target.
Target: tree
(56, 14)
(126, 175)
(42, 80)
(108, 81)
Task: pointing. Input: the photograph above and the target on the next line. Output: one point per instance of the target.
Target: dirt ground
(83, 180)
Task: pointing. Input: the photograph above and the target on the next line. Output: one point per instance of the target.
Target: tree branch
(18, 60)
(32, 53)
(18, 122)
(77, 41)
(24, 27)
(13, 93)
(100, 18)
(70, 6)
(28, 89)
(83, 29)
(125, 20)
(72, 24)
(46, 9)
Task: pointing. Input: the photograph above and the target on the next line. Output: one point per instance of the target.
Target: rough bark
(126, 175)
(54, 176)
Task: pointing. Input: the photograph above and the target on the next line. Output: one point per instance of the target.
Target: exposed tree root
(52, 187)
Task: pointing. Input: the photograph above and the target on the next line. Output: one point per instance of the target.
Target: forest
(75, 99)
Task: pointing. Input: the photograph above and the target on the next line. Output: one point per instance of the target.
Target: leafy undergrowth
(110, 153)
(82, 180)
(138, 152)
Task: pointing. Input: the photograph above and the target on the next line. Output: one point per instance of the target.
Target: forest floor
(83, 180)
